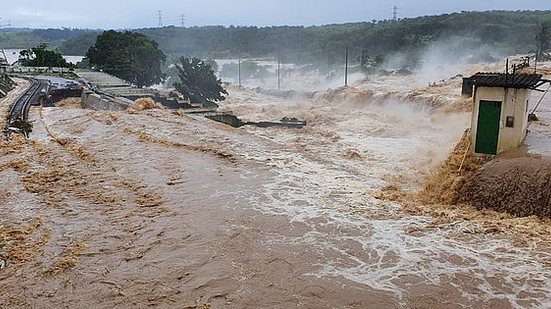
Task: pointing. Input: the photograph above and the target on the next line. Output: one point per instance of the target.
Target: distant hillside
(503, 31)
(20, 38)
(483, 33)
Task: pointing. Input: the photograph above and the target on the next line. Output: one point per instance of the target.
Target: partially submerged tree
(41, 56)
(198, 83)
(370, 64)
(128, 55)
(543, 39)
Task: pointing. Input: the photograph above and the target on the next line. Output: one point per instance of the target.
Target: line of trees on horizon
(502, 32)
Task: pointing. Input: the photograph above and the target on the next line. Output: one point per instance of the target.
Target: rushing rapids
(156, 208)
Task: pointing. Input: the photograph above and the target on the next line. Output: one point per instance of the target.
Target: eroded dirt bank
(157, 208)
(520, 186)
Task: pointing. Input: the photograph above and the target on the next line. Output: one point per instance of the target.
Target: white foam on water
(319, 184)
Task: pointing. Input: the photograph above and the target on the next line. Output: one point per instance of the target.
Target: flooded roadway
(158, 209)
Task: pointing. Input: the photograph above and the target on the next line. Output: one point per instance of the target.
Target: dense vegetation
(41, 56)
(496, 32)
(501, 31)
(128, 55)
(27, 38)
(198, 83)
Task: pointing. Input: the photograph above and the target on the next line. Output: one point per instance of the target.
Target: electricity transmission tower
(183, 20)
(395, 13)
(160, 16)
(4, 25)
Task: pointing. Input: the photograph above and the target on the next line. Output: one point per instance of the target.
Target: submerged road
(112, 209)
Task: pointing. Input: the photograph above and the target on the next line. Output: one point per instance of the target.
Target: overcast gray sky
(136, 14)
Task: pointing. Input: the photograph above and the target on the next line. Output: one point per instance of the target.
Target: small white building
(500, 113)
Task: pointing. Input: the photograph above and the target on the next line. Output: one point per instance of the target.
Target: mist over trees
(128, 55)
(249, 70)
(503, 31)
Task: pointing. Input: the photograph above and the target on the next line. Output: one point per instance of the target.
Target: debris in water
(69, 103)
(226, 118)
(444, 185)
(142, 104)
(3, 260)
(234, 121)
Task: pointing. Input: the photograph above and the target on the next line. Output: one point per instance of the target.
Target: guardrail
(18, 119)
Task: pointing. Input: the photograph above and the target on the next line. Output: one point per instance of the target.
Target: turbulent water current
(158, 208)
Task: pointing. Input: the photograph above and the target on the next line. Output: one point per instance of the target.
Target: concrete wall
(92, 100)
(514, 103)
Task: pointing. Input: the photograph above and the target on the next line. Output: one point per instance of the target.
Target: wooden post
(278, 74)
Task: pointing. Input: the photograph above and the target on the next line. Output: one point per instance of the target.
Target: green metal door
(487, 132)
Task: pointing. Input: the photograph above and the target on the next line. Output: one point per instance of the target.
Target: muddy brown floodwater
(152, 208)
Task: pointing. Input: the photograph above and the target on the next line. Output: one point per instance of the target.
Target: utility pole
(278, 74)
(239, 72)
(395, 13)
(160, 16)
(182, 20)
(346, 68)
(536, 62)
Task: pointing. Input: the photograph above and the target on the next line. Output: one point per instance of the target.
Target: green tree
(41, 56)
(128, 55)
(198, 83)
(213, 64)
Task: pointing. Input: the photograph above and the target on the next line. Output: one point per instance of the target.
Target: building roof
(530, 81)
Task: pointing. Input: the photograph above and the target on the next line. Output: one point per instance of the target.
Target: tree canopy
(41, 56)
(198, 83)
(128, 55)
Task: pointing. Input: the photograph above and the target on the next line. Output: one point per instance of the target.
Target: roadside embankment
(519, 186)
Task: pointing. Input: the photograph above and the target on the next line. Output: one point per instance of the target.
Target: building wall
(514, 103)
